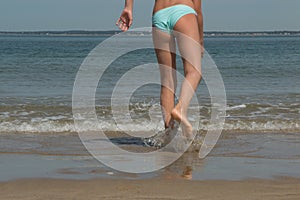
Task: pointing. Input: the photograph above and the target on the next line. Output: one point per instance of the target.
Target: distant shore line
(145, 33)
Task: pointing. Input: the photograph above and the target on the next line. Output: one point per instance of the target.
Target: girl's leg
(187, 36)
(164, 44)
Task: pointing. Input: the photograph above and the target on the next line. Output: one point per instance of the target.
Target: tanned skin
(190, 26)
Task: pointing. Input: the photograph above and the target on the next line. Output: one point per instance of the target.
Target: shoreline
(242, 166)
(236, 157)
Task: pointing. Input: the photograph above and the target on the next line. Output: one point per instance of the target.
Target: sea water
(37, 74)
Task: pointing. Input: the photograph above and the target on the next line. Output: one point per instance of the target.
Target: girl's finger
(130, 22)
(119, 21)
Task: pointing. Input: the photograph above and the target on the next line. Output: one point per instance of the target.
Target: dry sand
(284, 188)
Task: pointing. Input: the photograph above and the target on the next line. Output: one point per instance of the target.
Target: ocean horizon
(113, 32)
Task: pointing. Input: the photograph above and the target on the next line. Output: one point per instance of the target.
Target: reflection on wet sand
(184, 166)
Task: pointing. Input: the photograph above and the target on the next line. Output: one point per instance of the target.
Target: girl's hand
(125, 20)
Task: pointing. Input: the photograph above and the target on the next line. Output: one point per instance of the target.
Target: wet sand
(285, 188)
(242, 166)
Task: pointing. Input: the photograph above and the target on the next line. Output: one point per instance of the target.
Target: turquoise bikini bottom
(165, 19)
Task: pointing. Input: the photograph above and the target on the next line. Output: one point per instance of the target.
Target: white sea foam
(65, 127)
(237, 107)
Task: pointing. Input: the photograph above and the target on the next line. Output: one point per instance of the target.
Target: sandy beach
(284, 188)
(257, 171)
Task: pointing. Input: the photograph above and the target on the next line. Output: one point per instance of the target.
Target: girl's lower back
(161, 4)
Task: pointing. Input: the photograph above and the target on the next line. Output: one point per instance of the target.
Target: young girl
(180, 19)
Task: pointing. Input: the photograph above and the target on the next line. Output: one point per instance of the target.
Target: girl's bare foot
(179, 116)
(162, 138)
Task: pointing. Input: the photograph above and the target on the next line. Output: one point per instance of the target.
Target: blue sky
(220, 15)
